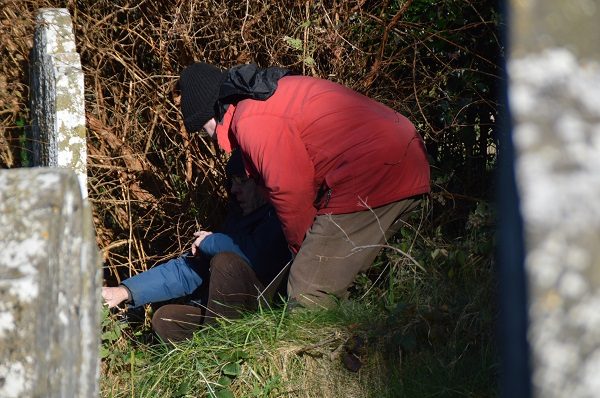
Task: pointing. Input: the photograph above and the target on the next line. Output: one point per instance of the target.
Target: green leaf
(183, 389)
(224, 393)
(104, 352)
(233, 356)
(239, 354)
(105, 316)
(232, 369)
(111, 335)
(224, 381)
(296, 44)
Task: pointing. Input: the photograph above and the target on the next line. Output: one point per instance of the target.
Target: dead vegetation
(152, 183)
(16, 38)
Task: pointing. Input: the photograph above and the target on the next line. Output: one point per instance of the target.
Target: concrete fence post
(49, 286)
(57, 95)
(554, 96)
(50, 274)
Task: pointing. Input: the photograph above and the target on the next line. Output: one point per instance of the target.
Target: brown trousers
(233, 287)
(338, 247)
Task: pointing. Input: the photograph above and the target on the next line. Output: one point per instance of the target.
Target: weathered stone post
(57, 95)
(49, 287)
(554, 96)
(50, 273)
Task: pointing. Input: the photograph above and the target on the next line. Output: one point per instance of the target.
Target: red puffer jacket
(321, 148)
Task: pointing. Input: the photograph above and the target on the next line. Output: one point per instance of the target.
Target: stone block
(554, 94)
(50, 279)
(57, 96)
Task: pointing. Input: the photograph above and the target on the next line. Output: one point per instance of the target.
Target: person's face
(249, 195)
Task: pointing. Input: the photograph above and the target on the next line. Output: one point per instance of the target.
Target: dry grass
(16, 39)
(150, 181)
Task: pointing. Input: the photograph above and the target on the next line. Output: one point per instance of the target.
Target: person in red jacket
(341, 170)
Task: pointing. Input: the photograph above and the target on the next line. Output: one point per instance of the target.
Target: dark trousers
(233, 287)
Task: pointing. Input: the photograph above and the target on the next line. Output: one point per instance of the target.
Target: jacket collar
(248, 82)
(225, 137)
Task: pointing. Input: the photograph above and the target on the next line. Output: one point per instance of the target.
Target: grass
(278, 353)
(427, 332)
(272, 353)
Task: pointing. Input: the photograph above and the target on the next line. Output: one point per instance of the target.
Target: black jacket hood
(248, 82)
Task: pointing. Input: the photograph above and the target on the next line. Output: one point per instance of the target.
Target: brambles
(152, 182)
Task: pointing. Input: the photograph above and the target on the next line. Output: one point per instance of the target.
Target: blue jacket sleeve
(218, 243)
(175, 278)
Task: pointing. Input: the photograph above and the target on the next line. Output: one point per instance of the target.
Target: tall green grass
(427, 332)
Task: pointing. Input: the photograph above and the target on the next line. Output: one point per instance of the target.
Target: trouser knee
(226, 264)
(233, 286)
(176, 322)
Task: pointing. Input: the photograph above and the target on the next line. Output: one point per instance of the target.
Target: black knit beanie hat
(199, 84)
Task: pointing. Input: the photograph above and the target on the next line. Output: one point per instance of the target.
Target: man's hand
(200, 235)
(114, 296)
